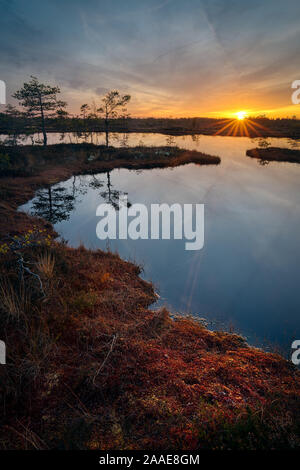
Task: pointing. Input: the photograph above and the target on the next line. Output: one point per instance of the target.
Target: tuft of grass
(45, 264)
(14, 300)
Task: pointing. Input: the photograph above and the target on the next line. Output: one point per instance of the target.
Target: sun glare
(241, 115)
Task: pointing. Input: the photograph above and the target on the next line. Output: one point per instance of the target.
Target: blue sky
(176, 58)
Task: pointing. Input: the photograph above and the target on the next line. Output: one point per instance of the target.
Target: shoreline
(97, 369)
(258, 127)
(35, 167)
(170, 132)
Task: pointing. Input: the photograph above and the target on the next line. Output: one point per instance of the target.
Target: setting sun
(241, 115)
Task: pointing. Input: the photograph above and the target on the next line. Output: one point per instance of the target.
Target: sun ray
(252, 127)
(231, 123)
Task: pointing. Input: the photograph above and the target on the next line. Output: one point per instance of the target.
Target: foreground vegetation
(90, 366)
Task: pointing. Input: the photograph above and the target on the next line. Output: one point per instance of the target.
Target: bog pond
(246, 277)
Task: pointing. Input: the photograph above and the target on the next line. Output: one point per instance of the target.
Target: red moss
(136, 379)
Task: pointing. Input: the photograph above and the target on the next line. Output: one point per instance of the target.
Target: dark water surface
(247, 274)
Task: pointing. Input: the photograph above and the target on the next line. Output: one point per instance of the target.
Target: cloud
(180, 57)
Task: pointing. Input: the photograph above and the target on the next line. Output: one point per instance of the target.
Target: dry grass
(14, 300)
(45, 264)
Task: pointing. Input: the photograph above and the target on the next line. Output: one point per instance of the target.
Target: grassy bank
(275, 154)
(85, 158)
(28, 168)
(90, 366)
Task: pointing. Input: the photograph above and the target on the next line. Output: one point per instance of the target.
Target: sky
(175, 58)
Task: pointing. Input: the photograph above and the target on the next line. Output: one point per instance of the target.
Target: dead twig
(106, 358)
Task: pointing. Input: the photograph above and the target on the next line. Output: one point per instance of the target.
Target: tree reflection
(170, 140)
(264, 144)
(110, 195)
(53, 203)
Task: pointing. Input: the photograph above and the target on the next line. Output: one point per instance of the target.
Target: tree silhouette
(39, 100)
(84, 109)
(114, 106)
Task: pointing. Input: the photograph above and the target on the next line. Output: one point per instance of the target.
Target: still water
(246, 277)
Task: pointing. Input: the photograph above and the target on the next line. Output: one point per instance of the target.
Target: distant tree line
(41, 111)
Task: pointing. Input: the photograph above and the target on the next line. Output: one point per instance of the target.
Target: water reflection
(56, 202)
(110, 195)
(53, 204)
(214, 145)
(247, 273)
